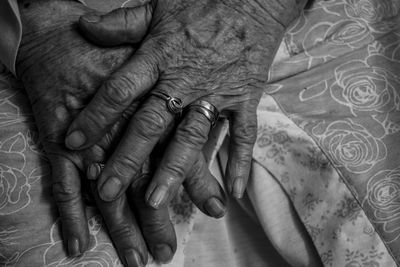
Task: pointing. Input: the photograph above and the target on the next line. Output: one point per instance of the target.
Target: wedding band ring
(207, 109)
(174, 104)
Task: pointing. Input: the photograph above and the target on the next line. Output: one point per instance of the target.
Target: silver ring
(207, 109)
(174, 104)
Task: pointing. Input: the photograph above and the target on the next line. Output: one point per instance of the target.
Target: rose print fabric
(340, 84)
(337, 226)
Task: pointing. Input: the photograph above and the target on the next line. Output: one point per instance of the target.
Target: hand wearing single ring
(206, 109)
(219, 50)
(173, 104)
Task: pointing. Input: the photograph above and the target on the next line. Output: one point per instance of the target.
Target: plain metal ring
(207, 109)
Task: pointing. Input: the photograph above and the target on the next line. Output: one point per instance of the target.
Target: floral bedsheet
(340, 83)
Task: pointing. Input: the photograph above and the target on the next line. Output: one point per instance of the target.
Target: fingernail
(93, 171)
(91, 18)
(110, 189)
(75, 139)
(238, 188)
(133, 259)
(162, 253)
(215, 208)
(73, 247)
(158, 196)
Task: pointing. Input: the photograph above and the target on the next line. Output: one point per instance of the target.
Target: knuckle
(71, 219)
(121, 231)
(151, 123)
(196, 169)
(135, 33)
(63, 192)
(194, 133)
(245, 134)
(119, 90)
(107, 141)
(242, 153)
(97, 117)
(139, 184)
(50, 137)
(96, 153)
(156, 228)
(175, 168)
(126, 166)
(197, 186)
(243, 160)
(240, 163)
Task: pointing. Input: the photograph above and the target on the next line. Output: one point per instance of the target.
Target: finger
(111, 139)
(94, 157)
(118, 216)
(156, 226)
(124, 230)
(181, 153)
(120, 26)
(68, 196)
(113, 98)
(136, 3)
(243, 129)
(143, 132)
(204, 189)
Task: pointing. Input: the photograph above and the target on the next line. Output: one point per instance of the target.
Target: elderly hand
(219, 51)
(61, 72)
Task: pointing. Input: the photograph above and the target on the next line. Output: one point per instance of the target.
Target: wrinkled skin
(216, 50)
(61, 72)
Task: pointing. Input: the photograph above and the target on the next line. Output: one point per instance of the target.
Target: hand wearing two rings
(218, 51)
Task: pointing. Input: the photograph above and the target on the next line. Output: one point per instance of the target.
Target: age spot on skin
(241, 34)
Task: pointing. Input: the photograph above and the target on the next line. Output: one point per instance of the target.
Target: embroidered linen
(340, 84)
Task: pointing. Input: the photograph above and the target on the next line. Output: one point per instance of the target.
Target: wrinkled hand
(61, 72)
(217, 50)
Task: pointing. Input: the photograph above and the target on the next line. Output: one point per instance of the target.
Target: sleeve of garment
(11, 29)
(11, 32)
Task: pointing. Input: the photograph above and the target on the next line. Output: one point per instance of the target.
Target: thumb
(120, 26)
